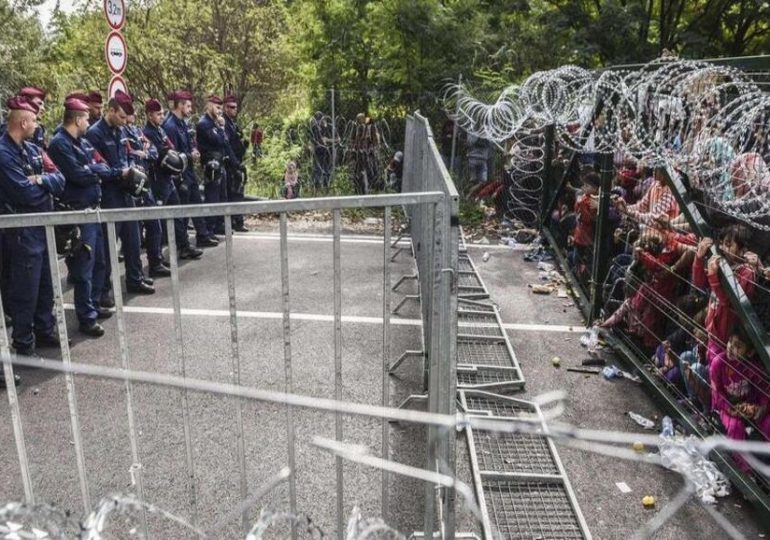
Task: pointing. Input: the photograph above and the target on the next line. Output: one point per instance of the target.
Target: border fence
(432, 205)
(588, 278)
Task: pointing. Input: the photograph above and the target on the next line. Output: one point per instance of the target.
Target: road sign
(115, 13)
(117, 83)
(116, 52)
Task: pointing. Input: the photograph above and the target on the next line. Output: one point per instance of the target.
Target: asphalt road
(206, 330)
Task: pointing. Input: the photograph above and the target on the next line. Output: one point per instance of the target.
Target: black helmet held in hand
(135, 182)
(172, 162)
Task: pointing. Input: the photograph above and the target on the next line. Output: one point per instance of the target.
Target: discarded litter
(612, 372)
(556, 361)
(545, 267)
(638, 447)
(623, 487)
(648, 501)
(593, 362)
(485, 257)
(681, 454)
(646, 423)
(590, 339)
(563, 294)
(541, 289)
(591, 371)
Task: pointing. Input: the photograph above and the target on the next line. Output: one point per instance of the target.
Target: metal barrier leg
(136, 467)
(236, 364)
(180, 358)
(287, 370)
(338, 370)
(412, 277)
(385, 357)
(404, 300)
(69, 379)
(13, 404)
(404, 356)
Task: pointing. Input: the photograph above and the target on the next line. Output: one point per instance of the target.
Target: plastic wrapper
(681, 454)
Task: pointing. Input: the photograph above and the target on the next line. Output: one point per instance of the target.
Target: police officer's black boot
(93, 329)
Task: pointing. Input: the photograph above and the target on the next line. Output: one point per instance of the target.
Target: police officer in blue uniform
(178, 131)
(166, 173)
(75, 158)
(120, 184)
(236, 169)
(36, 96)
(143, 154)
(26, 188)
(95, 103)
(216, 155)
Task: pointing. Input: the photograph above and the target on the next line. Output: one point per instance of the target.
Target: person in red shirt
(733, 244)
(582, 238)
(256, 142)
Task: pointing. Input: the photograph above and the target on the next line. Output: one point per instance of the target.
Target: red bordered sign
(115, 13)
(117, 83)
(116, 52)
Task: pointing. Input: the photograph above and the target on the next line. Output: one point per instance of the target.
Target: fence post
(334, 139)
(453, 153)
(601, 241)
(547, 159)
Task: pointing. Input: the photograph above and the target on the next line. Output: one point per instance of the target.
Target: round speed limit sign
(115, 13)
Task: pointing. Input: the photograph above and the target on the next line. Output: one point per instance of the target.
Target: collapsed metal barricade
(434, 257)
(520, 482)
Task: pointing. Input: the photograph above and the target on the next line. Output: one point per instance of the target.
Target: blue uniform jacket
(75, 159)
(179, 134)
(110, 142)
(17, 194)
(234, 140)
(135, 138)
(212, 141)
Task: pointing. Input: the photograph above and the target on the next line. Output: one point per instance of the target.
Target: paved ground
(158, 411)
(593, 403)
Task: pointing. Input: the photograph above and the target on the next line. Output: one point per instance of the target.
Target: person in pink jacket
(740, 390)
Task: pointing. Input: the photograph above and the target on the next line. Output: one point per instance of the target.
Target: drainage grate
(531, 510)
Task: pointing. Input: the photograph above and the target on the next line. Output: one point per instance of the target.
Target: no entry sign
(117, 83)
(115, 13)
(116, 53)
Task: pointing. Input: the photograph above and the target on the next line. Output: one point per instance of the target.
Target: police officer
(236, 169)
(36, 96)
(178, 131)
(143, 154)
(95, 103)
(74, 156)
(120, 183)
(166, 174)
(25, 188)
(216, 155)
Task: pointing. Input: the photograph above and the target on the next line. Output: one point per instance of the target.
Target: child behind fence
(291, 188)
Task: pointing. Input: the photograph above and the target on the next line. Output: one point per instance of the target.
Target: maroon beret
(125, 102)
(172, 96)
(20, 103)
(76, 105)
(216, 100)
(186, 95)
(32, 92)
(152, 105)
(231, 99)
(80, 96)
(95, 97)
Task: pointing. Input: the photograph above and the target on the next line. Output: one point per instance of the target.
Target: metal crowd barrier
(436, 254)
(433, 210)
